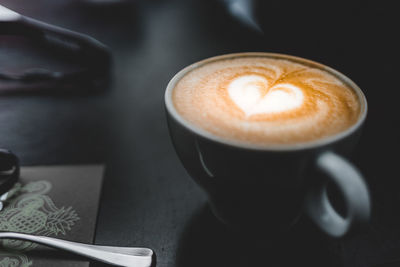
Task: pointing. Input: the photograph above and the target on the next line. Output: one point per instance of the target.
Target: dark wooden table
(148, 199)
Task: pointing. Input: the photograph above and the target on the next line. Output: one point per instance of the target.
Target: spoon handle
(118, 256)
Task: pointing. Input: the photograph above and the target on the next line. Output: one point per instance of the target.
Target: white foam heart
(246, 93)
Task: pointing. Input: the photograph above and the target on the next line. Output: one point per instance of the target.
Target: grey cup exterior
(260, 188)
(251, 189)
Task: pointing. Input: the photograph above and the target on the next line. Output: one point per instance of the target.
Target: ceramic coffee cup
(263, 188)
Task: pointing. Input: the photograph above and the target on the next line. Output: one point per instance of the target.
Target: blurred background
(148, 199)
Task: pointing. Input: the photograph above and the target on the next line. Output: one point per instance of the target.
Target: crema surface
(261, 100)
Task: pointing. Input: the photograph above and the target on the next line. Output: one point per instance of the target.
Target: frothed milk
(265, 100)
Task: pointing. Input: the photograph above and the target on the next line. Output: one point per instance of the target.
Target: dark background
(148, 199)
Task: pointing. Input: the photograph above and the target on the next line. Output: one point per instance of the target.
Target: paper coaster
(56, 201)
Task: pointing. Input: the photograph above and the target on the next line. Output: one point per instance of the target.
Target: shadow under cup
(264, 189)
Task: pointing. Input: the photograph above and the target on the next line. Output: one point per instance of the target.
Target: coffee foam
(261, 100)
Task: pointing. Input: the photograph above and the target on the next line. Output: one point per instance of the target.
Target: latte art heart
(252, 94)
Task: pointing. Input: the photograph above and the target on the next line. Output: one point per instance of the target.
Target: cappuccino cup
(263, 134)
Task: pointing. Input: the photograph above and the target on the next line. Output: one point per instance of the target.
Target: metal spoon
(119, 256)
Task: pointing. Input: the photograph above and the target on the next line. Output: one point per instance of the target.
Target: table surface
(148, 199)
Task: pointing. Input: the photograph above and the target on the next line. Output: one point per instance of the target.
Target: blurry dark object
(9, 173)
(93, 56)
(108, 3)
(302, 25)
(243, 10)
(303, 21)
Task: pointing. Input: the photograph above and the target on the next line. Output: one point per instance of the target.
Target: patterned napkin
(56, 201)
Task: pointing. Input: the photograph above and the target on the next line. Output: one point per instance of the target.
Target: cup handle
(351, 184)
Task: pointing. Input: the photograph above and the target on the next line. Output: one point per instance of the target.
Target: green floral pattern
(29, 210)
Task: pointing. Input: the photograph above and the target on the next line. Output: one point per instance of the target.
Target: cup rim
(265, 147)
